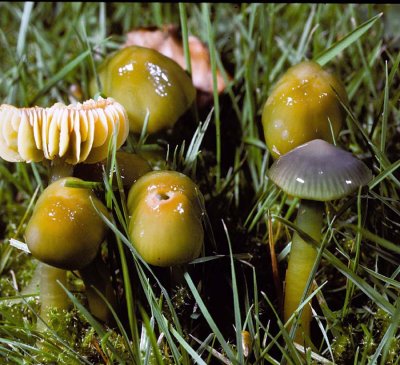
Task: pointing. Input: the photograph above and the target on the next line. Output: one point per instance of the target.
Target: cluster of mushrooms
(301, 118)
(68, 223)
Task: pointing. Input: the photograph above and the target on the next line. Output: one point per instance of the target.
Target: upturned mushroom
(303, 106)
(145, 81)
(166, 218)
(315, 172)
(60, 136)
(63, 134)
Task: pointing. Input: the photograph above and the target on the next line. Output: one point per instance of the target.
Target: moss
(19, 313)
(17, 273)
(71, 330)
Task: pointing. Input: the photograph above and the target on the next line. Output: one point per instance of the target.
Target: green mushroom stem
(59, 169)
(177, 275)
(301, 261)
(52, 295)
(97, 280)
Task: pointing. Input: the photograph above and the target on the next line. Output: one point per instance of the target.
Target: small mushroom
(61, 136)
(303, 106)
(145, 81)
(168, 41)
(166, 218)
(315, 172)
(65, 229)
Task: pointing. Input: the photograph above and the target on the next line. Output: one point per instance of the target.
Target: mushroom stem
(59, 169)
(52, 295)
(177, 275)
(96, 276)
(301, 260)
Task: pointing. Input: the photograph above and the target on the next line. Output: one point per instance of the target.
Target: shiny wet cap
(318, 170)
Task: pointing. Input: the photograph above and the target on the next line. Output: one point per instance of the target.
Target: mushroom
(65, 232)
(62, 136)
(167, 40)
(145, 81)
(165, 225)
(303, 106)
(65, 229)
(315, 172)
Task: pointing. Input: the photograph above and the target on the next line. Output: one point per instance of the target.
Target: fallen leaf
(168, 42)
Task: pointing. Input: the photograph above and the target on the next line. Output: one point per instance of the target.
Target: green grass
(48, 50)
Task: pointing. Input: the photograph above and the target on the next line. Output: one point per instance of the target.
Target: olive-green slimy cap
(318, 170)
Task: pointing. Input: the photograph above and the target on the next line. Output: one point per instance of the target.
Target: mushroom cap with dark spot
(318, 170)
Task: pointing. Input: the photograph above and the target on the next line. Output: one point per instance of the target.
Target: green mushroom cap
(166, 218)
(320, 171)
(65, 230)
(304, 104)
(145, 81)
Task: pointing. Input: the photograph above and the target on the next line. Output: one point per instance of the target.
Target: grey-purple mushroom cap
(318, 170)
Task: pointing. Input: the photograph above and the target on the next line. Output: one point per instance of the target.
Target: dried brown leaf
(168, 42)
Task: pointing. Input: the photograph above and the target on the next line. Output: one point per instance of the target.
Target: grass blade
(60, 75)
(367, 289)
(236, 305)
(211, 45)
(327, 55)
(28, 6)
(210, 321)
